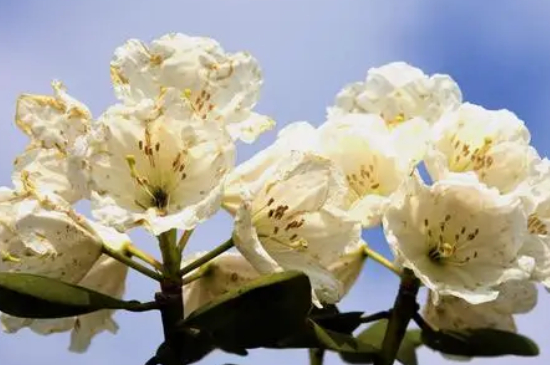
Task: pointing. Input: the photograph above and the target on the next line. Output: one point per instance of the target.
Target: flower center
(463, 158)
(366, 180)
(396, 120)
(273, 221)
(159, 198)
(446, 241)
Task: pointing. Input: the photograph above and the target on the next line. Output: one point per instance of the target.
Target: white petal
(456, 314)
(252, 174)
(221, 86)
(108, 276)
(369, 210)
(478, 232)
(452, 313)
(372, 160)
(52, 172)
(399, 92)
(348, 267)
(53, 243)
(326, 287)
(249, 245)
(156, 165)
(293, 220)
(226, 272)
(52, 122)
(493, 144)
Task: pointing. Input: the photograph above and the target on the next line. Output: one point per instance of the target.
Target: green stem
(404, 309)
(316, 356)
(144, 256)
(183, 240)
(382, 260)
(171, 256)
(207, 257)
(375, 317)
(123, 258)
(135, 306)
(202, 272)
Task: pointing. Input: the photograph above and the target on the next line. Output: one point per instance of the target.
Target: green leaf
(256, 315)
(34, 296)
(374, 335)
(313, 335)
(340, 342)
(479, 343)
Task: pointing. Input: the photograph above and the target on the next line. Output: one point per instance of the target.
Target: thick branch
(403, 311)
(316, 356)
(170, 298)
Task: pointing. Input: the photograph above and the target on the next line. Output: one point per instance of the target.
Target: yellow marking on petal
(78, 113)
(7, 257)
(186, 94)
(117, 77)
(28, 185)
(156, 60)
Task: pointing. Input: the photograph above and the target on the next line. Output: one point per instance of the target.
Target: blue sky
(309, 49)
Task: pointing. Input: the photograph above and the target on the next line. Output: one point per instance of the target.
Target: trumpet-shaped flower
(220, 86)
(398, 93)
(535, 193)
(371, 159)
(156, 164)
(459, 237)
(452, 313)
(226, 272)
(232, 270)
(53, 162)
(107, 276)
(491, 146)
(292, 216)
(39, 237)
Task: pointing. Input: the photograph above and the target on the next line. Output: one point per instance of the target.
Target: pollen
(444, 241)
(365, 180)
(536, 226)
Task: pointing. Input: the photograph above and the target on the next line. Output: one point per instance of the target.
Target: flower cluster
(163, 158)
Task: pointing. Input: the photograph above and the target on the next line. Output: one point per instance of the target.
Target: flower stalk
(382, 260)
(207, 257)
(203, 271)
(125, 259)
(143, 256)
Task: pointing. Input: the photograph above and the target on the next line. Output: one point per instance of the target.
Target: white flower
(291, 216)
(39, 237)
(156, 164)
(371, 159)
(398, 93)
(348, 266)
(459, 237)
(452, 313)
(535, 193)
(224, 273)
(44, 239)
(489, 145)
(52, 162)
(107, 276)
(221, 86)
(231, 271)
